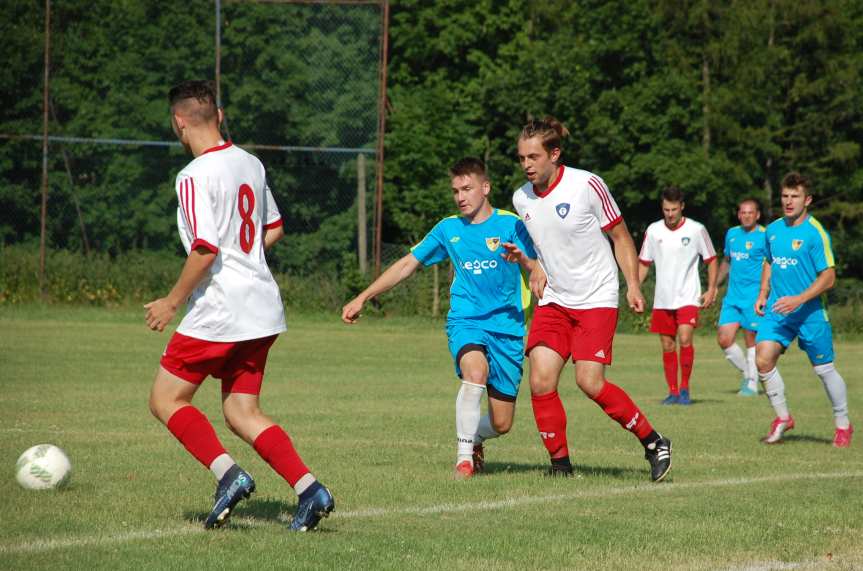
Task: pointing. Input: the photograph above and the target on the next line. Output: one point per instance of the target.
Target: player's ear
(554, 155)
(221, 115)
(486, 187)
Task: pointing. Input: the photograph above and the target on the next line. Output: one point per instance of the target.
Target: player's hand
(708, 298)
(786, 304)
(512, 253)
(760, 304)
(537, 281)
(351, 310)
(635, 299)
(159, 314)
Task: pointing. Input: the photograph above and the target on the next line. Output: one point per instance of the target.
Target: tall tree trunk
(768, 163)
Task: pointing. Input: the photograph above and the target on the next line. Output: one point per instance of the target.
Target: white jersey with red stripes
(676, 254)
(566, 224)
(224, 206)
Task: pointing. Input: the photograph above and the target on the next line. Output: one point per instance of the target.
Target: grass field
(370, 408)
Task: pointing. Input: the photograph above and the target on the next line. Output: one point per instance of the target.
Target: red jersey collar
(552, 185)
(218, 148)
(679, 226)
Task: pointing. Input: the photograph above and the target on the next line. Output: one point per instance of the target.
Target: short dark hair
(795, 179)
(202, 91)
(468, 166)
(673, 194)
(754, 201)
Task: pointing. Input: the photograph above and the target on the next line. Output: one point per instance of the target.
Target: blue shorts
(810, 326)
(504, 353)
(742, 313)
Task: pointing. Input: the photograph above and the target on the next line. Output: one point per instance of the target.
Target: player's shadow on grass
(580, 470)
(250, 514)
(511, 468)
(806, 438)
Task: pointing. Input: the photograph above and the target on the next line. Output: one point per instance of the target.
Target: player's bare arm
(160, 312)
(627, 259)
(273, 235)
(724, 270)
(709, 297)
(394, 275)
(761, 302)
(822, 283)
(536, 275)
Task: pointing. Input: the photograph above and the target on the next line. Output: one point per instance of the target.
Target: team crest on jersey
(562, 209)
(492, 243)
(796, 244)
(749, 245)
(684, 241)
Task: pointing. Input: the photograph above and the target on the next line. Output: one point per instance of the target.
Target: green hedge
(140, 276)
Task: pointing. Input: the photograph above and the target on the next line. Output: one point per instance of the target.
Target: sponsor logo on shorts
(600, 354)
(773, 237)
(692, 321)
(562, 209)
(784, 262)
(454, 239)
(492, 243)
(685, 240)
(527, 217)
(477, 266)
(796, 244)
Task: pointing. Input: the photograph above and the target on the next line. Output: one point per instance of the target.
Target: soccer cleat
(478, 459)
(560, 468)
(684, 397)
(747, 389)
(778, 428)
(317, 505)
(842, 437)
(659, 457)
(234, 486)
(671, 399)
(463, 470)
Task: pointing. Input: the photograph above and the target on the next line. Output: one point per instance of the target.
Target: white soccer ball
(43, 467)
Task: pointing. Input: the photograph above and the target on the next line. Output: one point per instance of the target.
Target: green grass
(370, 408)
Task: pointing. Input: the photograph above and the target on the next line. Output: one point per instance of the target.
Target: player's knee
(502, 425)
(477, 377)
(724, 340)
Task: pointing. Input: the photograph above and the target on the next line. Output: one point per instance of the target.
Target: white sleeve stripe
(602, 191)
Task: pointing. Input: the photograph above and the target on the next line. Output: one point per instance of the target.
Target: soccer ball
(43, 467)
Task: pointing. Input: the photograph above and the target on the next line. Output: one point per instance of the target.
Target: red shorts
(666, 321)
(583, 334)
(240, 364)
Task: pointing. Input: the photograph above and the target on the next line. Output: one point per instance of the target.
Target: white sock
(775, 389)
(485, 430)
(734, 354)
(834, 384)
(751, 369)
(467, 412)
(303, 483)
(221, 465)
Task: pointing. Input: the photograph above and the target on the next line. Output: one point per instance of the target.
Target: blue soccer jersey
(797, 254)
(486, 289)
(745, 252)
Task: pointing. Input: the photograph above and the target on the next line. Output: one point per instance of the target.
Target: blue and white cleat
(748, 389)
(234, 486)
(684, 397)
(671, 399)
(315, 503)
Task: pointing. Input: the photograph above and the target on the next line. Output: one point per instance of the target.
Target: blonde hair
(549, 130)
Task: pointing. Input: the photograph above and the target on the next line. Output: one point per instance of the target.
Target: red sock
(616, 403)
(194, 431)
(669, 363)
(687, 358)
(551, 422)
(275, 446)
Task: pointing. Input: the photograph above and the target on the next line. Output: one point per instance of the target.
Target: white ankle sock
(303, 483)
(837, 392)
(775, 389)
(467, 413)
(221, 465)
(734, 354)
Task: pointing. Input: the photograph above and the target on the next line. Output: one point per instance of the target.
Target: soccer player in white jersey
(675, 244)
(745, 248)
(485, 324)
(799, 268)
(569, 213)
(227, 218)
